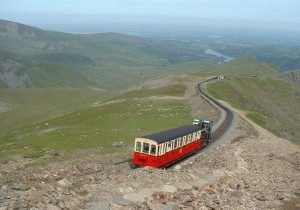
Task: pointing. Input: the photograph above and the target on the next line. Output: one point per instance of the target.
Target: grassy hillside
(24, 71)
(271, 102)
(29, 105)
(245, 66)
(119, 120)
(173, 90)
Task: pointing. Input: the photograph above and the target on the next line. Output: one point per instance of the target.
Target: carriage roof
(172, 134)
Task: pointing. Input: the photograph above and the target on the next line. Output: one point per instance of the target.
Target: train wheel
(133, 166)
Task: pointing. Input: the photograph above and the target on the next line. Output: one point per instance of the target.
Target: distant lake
(219, 55)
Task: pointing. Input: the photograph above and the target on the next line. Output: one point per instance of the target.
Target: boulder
(52, 207)
(169, 188)
(20, 186)
(140, 196)
(103, 205)
(62, 183)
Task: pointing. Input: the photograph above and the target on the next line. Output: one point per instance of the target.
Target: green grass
(269, 101)
(244, 66)
(33, 153)
(257, 118)
(191, 66)
(171, 90)
(48, 74)
(99, 127)
(31, 105)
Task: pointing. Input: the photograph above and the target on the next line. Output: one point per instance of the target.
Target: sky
(280, 14)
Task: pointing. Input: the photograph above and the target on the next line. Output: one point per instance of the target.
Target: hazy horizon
(155, 16)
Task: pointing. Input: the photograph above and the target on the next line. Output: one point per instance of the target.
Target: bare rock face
(15, 29)
(11, 75)
(8, 27)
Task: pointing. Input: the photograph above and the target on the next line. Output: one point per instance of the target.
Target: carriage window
(169, 146)
(153, 150)
(198, 134)
(183, 141)
(189, 138)
(175, 144)
(165, 147)
(146, 148)
(161, 149)
(138, 146)
(179, 142)
(194, 136)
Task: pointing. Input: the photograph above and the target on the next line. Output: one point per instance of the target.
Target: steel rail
(228, 113)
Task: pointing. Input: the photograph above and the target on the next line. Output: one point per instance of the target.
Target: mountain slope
(118, 119)
(110, 60)
(245, 66)
(270, 102)
(22, 71)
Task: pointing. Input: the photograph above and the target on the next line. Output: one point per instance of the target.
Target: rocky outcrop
(292, 76)
(11, 75)
(15, 29)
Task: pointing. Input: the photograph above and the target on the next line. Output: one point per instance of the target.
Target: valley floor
(251, 169)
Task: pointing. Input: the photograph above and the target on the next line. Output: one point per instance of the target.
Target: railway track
(221, 129)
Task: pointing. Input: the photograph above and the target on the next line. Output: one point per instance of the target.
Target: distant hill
(22, 71)
(31, 57)
(246, 65)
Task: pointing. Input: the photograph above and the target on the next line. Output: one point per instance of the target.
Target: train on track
(167, 147)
